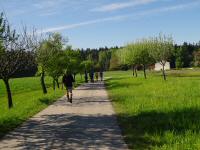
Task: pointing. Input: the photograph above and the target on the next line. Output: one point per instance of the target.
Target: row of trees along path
(49, 52)
(146, 52)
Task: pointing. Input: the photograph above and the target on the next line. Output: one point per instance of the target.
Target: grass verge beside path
(28, 100)
(157, 114)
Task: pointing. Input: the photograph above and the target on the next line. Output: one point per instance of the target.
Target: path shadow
(179, 122)
(83, 101)
(68, 131)
(92, 86)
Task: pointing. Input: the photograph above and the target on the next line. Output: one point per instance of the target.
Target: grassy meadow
(157, 114)
(28, 99)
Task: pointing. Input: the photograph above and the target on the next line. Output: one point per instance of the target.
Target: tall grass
(157, 114)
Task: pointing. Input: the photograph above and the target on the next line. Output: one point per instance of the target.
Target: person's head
(67, 72)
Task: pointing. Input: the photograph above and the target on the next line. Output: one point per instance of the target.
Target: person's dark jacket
(68, 80)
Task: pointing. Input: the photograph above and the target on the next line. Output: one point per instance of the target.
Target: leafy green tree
(161, 49)
(114, 61)
(74, 57)
(196, 60)
(104, 59)
(87, 65)
(51, 59)
(57, 61)
(42, 58)
(179, 58)
(56, 67)
(127, 55)
(142, 55)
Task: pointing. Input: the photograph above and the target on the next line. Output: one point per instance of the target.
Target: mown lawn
(157, 114)
(28, 99)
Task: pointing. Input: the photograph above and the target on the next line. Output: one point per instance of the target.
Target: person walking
(101, 75)
(97, 76)
(92, 76)
(68, 82)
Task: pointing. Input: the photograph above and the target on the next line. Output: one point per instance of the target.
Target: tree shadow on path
(62, 131)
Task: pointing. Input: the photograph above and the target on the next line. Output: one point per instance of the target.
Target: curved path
(88, 123)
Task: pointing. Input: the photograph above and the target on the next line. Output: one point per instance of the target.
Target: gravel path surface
(88, 123)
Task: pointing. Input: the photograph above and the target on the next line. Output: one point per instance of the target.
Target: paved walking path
(88, 123)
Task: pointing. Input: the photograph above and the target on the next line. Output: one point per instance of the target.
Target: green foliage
(154, 114)
(161, 48)
(97, 67)
(104, 59)
(147, 51)
(144, 51)
(42, 54)
(179, 57)
(196, 61)
(51, 58)
(87, 65)
(114, 61)
(57, 60)
(74, 60)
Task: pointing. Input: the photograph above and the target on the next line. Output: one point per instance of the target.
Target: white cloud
(71, 26)
(117, 6)
(122, 17)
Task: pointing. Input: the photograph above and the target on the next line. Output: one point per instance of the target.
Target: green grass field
(157, 114)
(28, 99)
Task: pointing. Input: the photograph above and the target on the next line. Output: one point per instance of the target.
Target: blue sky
(98, 23)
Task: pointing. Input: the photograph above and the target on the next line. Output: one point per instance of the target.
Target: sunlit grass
(28, 99)
(157, 114)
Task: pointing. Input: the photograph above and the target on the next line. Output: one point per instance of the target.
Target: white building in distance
(158, 66)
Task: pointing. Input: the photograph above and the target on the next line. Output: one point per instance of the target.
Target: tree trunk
(163, 72)
(74, 77)
(135, 71)
(144, 69)
(58, 85)
(9, 95)
(54, 84)
(86, 77)
(133, 67)
(43, 83)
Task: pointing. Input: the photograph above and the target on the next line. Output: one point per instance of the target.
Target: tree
(114, 61)
(179, 58)
(104, 59)
(29, 68)
(161, 49)
(87, 65)
(127, 56)
(141, 54)
(12, 54)
(57, 60)
(74, 62)
(42, 57)
(196, 60)
(56, 66)
(51, 59)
